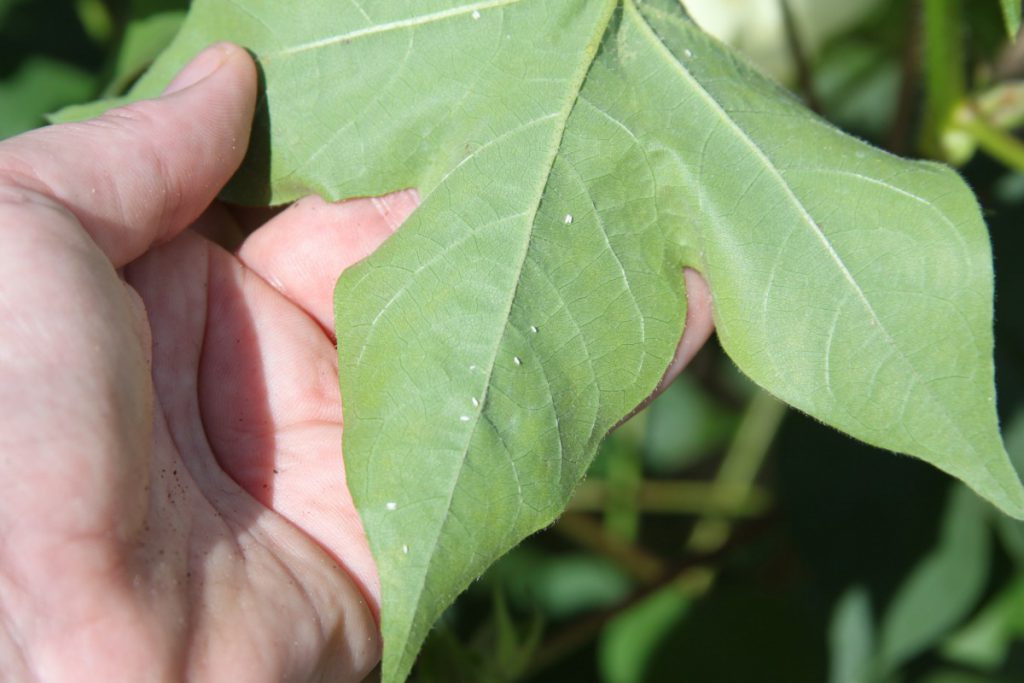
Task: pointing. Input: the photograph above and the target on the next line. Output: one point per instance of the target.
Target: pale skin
(173, 502)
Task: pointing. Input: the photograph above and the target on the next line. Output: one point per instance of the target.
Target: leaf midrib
(757, 151)
(565, 111)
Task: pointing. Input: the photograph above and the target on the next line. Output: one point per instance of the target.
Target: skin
(173, 502)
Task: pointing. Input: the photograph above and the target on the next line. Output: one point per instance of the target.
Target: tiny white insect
(533, 328)
(405, 550)
(688, 53)
(464, 418)
(476, 402)
(517, 360)
(568, 219)
(391, 506)
(476, 14)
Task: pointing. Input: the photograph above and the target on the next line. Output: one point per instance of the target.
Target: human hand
(173, 504)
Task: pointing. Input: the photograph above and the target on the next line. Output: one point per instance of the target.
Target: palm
(245, 369)
(245, 379)
(201, 527)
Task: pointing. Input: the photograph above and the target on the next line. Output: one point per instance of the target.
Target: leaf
(1011, 15)
(38, 85)
(1011, 531)
(144, 38)
(630, 640)
(573, 156)
(684, 425)
(943, 589)
(984, 643)
(851, 638)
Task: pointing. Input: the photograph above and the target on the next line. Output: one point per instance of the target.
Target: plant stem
(805, 79)
(678, 498)
(588, 533)
(944, 68)
(688, 577)
(997, 143)
(624, 477)
(910, 65)
(740, 465)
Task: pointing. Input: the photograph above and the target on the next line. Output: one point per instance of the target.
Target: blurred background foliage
(721, 538)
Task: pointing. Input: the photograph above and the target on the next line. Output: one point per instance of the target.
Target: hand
(173, 502)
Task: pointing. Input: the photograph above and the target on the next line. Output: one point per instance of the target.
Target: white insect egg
(476, 402)
(517, 360)
(391, 505)
(533, 328)
(476, 14)
(405, 550)
(688, 52)
(568, 219)
(464, 418)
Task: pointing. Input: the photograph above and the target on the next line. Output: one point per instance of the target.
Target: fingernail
(201, 66)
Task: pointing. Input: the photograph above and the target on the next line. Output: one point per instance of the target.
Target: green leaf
(39, 85)
(631, 639)
(573, 156)
(943, 589)
(851, 638)
(1011, 15)
(563, 585)
(684, 424)
(144, 38)
(985, 642)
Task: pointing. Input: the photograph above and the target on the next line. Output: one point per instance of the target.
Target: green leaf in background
(1011, 14)
(1011, 531)
(851, 639)
(573, 156)
(630, 640)
(561, 585)
(144, 38)
(499, 651)
(684, 424)
(943, 589)
(985, 642)
(40, 85)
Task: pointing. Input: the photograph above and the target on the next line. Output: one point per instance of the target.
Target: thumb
(140, 174)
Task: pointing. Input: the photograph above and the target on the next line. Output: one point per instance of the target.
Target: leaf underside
(573, 157)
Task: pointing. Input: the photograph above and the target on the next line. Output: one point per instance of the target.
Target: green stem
(740, 465)
(997, 143)
(687, 580)
(678, 498)
(804, 76)
(945, 83)
(592, 535)
(623, 478)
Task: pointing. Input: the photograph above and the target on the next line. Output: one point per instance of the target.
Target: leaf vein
(397, 25)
